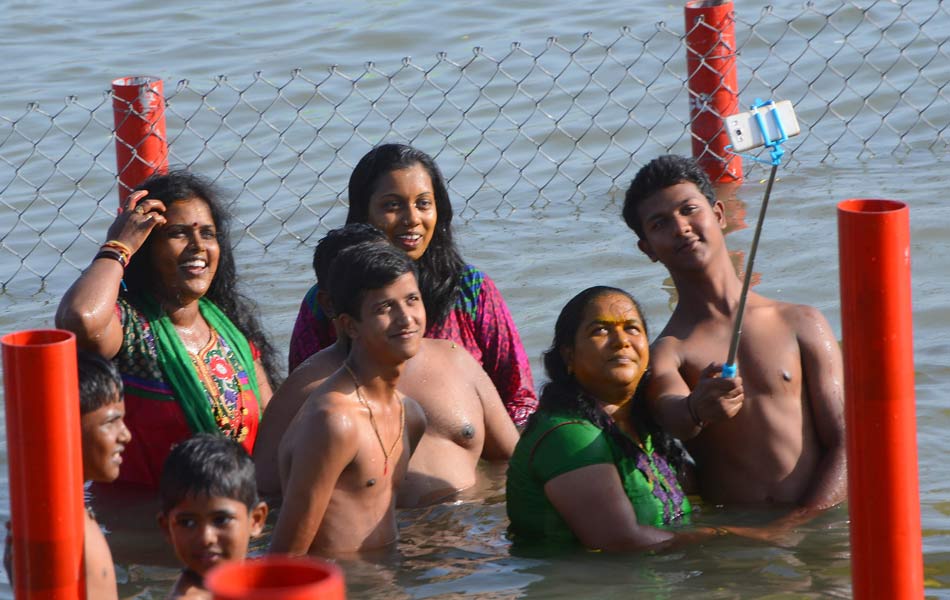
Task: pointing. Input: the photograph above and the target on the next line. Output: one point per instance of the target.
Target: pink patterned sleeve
(503, 355)
(312, 331)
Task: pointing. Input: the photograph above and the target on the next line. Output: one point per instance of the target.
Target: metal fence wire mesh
(555, 123)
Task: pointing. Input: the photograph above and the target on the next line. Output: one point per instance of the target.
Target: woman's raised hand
(137, 217)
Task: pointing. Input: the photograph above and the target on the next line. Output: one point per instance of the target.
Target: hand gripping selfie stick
(776, 152)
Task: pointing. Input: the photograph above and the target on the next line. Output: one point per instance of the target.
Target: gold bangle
(118, 246)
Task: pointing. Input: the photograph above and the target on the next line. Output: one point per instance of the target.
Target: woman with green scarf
(160, 299)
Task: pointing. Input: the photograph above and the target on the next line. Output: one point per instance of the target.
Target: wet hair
(363, 267)
(99, 381)
(337, 239)
(140, 277)
(658, 174)
(208, 465)
(440, 268)
(564, 394)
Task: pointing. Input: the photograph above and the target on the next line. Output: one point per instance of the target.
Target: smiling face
(185, 251)
(611, 351)
(403, 207)
(681, 229)
(207, 530)
(104, 437)
(392, 320)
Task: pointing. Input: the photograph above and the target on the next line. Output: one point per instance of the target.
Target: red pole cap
(276, 577)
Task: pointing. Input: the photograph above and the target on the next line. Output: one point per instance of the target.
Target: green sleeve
(569, 446)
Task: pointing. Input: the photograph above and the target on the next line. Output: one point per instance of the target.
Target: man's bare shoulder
(319, 366)
(666, 347)
(447, 353)
(327, 410)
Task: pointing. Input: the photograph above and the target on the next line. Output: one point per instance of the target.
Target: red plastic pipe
(276, 577)
(141, 147)
(713, 85)
(44, 453)
(874, 255)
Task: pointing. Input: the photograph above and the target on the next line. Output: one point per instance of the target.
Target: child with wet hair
(104, 437)
(209, 508)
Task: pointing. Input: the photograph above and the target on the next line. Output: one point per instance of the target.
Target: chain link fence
(557, 123)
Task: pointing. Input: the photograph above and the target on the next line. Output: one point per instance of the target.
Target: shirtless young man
(347, 450)
(775, 434)
(466, 418)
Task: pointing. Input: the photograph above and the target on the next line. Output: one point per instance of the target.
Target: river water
(539, 253)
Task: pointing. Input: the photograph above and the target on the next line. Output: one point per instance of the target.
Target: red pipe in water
(44, 453)
(141, 147)
(276, 577)
(713, 85)
(877, 328)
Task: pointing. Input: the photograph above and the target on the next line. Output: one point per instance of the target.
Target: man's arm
(501, 435)
(683, 412)
(823, 375)
(416, 422)
(319, 457)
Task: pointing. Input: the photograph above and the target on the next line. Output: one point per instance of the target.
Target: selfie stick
(776, 152)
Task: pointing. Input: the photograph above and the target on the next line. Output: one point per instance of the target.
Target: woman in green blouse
(592, 467)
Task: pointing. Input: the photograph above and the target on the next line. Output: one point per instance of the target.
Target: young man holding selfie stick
(774, 434)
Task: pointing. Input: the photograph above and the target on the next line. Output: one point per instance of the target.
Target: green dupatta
(175, 362)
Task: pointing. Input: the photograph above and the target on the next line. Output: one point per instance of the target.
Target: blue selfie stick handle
(728, 371)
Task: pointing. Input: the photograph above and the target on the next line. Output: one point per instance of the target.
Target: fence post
(44, 453)
(141, 147)
(713, 85)
(877, 328)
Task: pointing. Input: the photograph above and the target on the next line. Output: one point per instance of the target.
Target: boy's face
(392, 319)
(207, 530)
(680, 228)
(104, 436)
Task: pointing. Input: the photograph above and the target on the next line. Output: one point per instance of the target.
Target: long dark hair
(140, 278)
(564, 394)
(441, 266)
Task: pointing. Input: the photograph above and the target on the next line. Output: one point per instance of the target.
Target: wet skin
(775, 433)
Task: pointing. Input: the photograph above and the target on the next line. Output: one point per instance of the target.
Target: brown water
(539, 260)
(538, 257)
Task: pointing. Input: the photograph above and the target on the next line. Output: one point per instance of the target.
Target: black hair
(99, 381)
(208, 465)
(564, 394)
(440, 268)
(365, 266)
(337, 239)
(140, 278)
(658, 174)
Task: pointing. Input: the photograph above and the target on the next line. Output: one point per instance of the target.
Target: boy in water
(466, 418)
(104, 436)
(210, 509)
(775, 434)
(347, 450)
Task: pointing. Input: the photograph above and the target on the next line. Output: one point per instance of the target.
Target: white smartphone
(745, 133)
